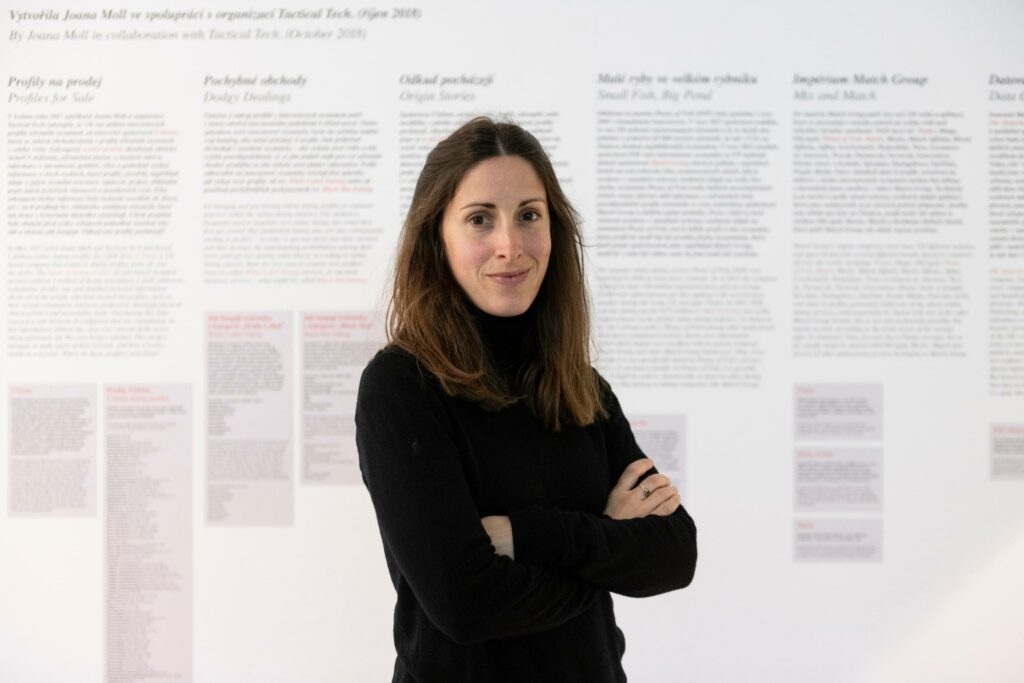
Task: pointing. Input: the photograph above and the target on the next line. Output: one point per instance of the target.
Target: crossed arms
(430, 524)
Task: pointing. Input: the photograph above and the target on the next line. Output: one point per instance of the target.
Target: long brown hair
(429, 314)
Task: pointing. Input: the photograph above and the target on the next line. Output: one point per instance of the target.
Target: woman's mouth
(509, 278)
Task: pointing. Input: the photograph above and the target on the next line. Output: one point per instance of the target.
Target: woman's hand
(499, 528)
(627, 502)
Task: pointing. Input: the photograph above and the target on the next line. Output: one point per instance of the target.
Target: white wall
(778, 310)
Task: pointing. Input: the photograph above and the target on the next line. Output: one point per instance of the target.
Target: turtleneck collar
(505, 336)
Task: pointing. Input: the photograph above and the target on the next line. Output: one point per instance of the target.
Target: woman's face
(497, 235)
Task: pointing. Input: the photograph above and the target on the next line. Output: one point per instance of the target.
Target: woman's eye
(480, 220)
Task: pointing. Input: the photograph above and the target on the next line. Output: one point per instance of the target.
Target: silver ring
(647, 491)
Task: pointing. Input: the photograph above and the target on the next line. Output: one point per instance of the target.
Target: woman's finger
(649, 486)
(668, 506)
(632, 473)
(656, 481)
(654, 497)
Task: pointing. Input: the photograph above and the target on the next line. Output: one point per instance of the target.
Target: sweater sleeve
(429, 521)
(633, 557)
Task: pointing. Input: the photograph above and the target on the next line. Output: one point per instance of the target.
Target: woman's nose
(507, 240)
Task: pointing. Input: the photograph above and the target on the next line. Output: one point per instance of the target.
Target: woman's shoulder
(394, 366)
(396, 389)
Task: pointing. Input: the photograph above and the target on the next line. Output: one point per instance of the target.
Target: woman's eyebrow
(488, 205)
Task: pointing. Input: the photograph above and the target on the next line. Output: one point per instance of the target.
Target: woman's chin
(506, 308)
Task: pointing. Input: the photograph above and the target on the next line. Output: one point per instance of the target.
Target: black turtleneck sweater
(435, 465)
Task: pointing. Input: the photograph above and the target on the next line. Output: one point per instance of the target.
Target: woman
(510, 493)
